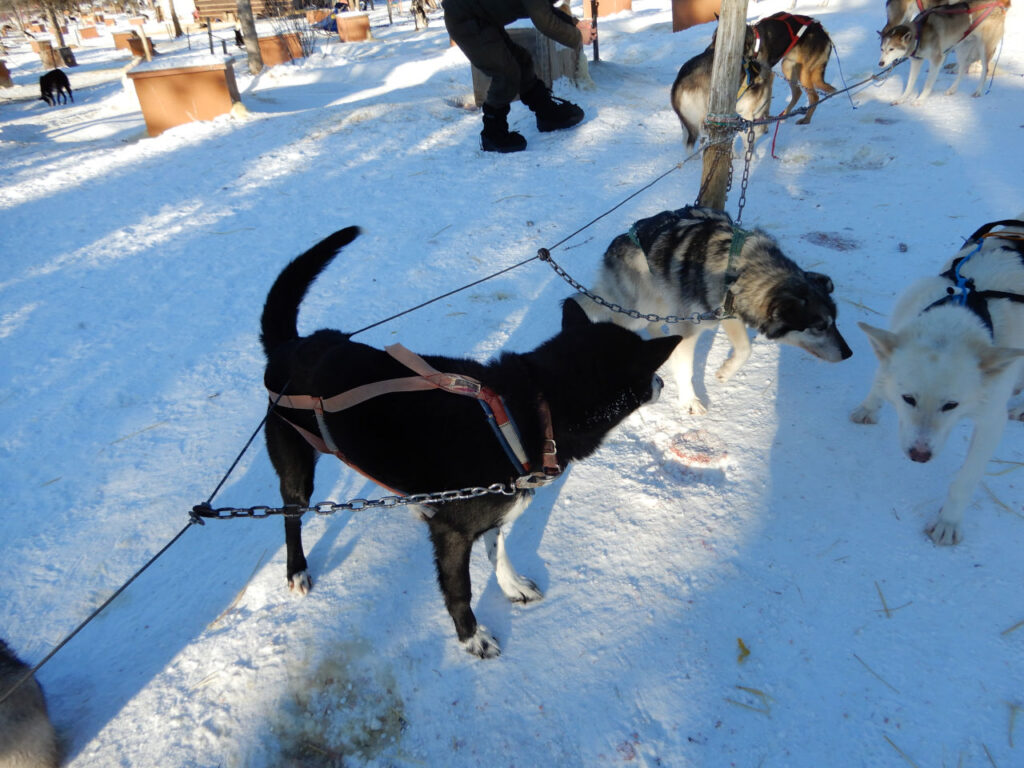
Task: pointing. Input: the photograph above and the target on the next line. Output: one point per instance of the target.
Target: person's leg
(486, 47)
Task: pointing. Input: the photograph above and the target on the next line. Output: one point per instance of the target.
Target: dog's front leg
(867, 411)
(451, 556)
(987, 432)
(736, 332)
(934, 67)
(516, 588)
(915, 70)
(681, 364)
(299, 579)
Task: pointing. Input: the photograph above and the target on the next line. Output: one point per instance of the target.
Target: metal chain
(746, 173)
(696, 318)
(204, 511)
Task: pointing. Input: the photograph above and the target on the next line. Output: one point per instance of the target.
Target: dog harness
(947, 10)
(965, 294)
(655, 225)
(791, 21)
(428, 378)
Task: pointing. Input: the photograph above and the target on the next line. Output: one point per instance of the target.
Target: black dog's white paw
(520, 589)
(482, 644)
(300, 582)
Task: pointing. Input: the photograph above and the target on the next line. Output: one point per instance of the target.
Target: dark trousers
(489, 48)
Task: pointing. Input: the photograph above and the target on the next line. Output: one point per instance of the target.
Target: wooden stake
(725, 70)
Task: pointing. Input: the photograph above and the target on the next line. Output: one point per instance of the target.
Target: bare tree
(250, 36)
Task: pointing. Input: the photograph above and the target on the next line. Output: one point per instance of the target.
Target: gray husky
(974, 30)
(27, 738)
(694, 260)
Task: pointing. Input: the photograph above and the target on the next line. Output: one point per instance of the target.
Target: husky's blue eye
(910, 401)
(950, 406)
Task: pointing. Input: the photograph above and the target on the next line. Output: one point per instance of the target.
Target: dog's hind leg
(736, 331)
(451, 556)
(295, 462)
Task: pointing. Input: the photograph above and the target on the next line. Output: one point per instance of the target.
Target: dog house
(173, 93)
(606, 8)
(353, 26)
(280, 49)
(690, 13)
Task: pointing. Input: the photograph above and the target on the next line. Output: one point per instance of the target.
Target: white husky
(955, 351)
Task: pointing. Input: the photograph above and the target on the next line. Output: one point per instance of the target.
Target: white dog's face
(931, 391)
(933, 385)
(895, 45)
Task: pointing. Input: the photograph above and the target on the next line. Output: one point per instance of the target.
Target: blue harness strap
(963, 292)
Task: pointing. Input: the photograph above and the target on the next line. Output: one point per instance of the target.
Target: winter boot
(553, 113)
(496, 137)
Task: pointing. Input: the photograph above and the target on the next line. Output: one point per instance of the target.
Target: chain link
(696, 318)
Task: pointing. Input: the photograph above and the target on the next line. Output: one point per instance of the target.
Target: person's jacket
(549, 21)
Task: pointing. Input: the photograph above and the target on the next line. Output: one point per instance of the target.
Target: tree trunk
(51, 18)
(252, 43)
(178, 31)
(725, 71)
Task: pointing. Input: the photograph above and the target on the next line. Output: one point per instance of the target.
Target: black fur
(54, 86)
(592, 375)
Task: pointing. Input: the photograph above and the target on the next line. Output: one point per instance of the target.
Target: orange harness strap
(427, 378)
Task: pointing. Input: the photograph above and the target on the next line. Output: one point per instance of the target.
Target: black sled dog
(54, 86)
(27, 738)
(429, 433)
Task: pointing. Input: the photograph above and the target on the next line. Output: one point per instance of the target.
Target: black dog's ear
(573, 315)
(823, 280)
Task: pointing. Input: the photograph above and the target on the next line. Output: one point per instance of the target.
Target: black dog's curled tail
(279, 323)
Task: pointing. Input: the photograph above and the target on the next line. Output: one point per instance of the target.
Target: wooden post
(593, 21)
(732, 29)
(250, 37)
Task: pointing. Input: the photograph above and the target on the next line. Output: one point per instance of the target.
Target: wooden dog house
(353, 26)
(689, 13)
(280, 49)
(174, 95)
(607, 7)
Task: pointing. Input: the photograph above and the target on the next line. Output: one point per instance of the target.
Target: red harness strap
(794, 37)
(427, 378)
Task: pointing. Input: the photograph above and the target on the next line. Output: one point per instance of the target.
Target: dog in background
(974, 30)
(955, 351)
(562, 398)
(53, 87)
(694, 260)
(27, 737)
(902, 11)
(803, 47)
(691, 91)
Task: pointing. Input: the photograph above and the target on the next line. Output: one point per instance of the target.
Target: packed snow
(773, 603)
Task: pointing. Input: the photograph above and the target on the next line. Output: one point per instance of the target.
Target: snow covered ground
(782, 609)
